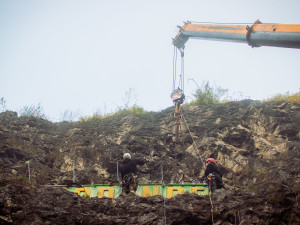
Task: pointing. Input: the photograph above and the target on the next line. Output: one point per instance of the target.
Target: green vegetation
(207, 94)
(134, 110)
(129, 108)
(204, 95)
(286, 97)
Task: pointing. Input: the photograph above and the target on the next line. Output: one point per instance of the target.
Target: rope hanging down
(178, 97)
(177, 94)
(181, 75)
(182, 70)
(194, 143)
(163, 183)
(174, 67)
(197, 148)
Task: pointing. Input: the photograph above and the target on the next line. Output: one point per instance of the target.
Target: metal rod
(29, 172)
(118, 171)
(74, 179)
(162, 173)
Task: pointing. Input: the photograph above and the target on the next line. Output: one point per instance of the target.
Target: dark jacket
(212, 168)
(130, 166)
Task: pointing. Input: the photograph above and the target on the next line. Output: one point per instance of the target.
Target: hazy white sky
(85, 54)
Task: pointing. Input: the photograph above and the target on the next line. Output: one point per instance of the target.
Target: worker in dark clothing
(214, 173)
(128, 174)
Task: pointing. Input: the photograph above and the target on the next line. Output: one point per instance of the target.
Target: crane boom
(257, 35)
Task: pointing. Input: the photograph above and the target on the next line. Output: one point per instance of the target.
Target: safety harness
(129, 179)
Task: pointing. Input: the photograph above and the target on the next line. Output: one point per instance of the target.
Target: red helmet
(210, 160)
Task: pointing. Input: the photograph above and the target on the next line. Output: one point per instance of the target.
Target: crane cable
(177, 94)
(181, 75)
(182, 69)
(179, 114)
(194, 144)
(174, 67)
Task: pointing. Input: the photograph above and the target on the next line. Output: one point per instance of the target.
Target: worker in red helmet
(212, 169)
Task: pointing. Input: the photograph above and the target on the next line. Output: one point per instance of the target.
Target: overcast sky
(84, 55)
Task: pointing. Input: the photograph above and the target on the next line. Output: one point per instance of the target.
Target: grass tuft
(134, 110)
(286, 97)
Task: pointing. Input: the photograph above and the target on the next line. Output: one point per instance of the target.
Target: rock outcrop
(256, 146)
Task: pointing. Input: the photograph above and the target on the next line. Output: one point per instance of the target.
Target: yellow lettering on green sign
(173, 191)
(83, 192)
(146, 192)
(106, 192)
(196, 189)
(155, 190)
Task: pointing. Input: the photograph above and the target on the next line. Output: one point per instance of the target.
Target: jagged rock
(256, 146)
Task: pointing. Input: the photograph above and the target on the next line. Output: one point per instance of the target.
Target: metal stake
(118, 171)
(162, 172)
(29, 172)
(74, 180)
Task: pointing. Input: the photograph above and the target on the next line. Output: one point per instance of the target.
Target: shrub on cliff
(33, 111)
(207, 94)
(294, 97)
(134, 110)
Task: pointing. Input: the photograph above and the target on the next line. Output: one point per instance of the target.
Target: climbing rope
(177, 94)
(163, 184)
(194, 142)
(196, 148)
(211, 208)
(179, 114)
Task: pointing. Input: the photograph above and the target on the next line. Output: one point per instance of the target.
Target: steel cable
(174, 67)
(181, 76)
(182, 71)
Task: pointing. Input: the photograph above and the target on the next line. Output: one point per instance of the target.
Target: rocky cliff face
(256, 146)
